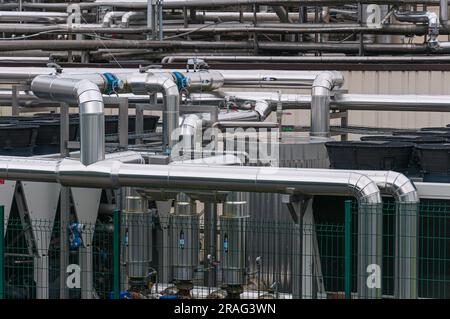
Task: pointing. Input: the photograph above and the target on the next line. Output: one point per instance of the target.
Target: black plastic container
(427, 132)
(48, 137)
(434, 162)
(17, 139)
(112, 123)
(150, 123)
(416, 139)
(376, 155)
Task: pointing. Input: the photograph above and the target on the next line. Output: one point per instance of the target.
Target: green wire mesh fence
(139, 255)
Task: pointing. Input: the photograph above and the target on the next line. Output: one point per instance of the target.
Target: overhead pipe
(147, 83)
(90, 101)
(404, 191)
(32, 16)
(114, 174)
(142, 4)
(426, 16)
(56, 45)
(443, 11)
(132, 15)
(324, 83)
(306, 59)
(109, 17)
(246, 16)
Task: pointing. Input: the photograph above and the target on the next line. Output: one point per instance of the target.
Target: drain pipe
(322, 86)
(90, 101)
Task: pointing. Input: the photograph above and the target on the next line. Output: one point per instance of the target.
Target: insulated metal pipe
(406, 235)
(114, 174)
(443, 12)
(147, 83)
(56, 45)
(90, 101)
(324, 83)
(109, 17)
(32, 16)
(127, 17)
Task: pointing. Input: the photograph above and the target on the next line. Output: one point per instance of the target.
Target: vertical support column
(41, 276)
(344, 124)
(139, 125)
(64, 205)
(116, 254)
(2, 251)
(348, 250)
(15, 101)
(87, 270)
(370, 244)
(406, 251)
(210, 216)
(123, 124)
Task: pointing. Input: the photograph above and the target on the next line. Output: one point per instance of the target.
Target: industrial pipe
(427, 16)
(324, 83)
(109, 17)
(147, 83)
(127, 17)
(90, 101)
(114, 174)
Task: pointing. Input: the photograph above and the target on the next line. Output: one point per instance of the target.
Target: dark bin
(416, 139)
(376, 155)
(17, 139)
(444, 129)
(434, 162)
(414, 169)
(439, 133)
(150, 123)
(48, 138)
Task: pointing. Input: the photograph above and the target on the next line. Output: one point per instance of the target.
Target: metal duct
(90, 101)
(147, 83)
(323, 84)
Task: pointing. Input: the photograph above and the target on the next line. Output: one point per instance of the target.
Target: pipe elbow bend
(364, 189)
(402, 187)
(328, 80)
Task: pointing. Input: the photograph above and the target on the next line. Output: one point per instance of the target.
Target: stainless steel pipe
(90, 101)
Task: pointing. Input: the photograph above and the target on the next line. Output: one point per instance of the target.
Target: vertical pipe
(2, 243)
(116, 254)
(64, 203)
(443, 11)
(348, 250)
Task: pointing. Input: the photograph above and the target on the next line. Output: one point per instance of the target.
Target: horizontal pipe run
(307, 59)
(55, 45)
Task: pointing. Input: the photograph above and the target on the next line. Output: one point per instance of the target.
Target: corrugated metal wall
(386, 82)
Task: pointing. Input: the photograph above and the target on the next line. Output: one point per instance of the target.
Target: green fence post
(116, 254)
(2, 251)
(348, 250)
